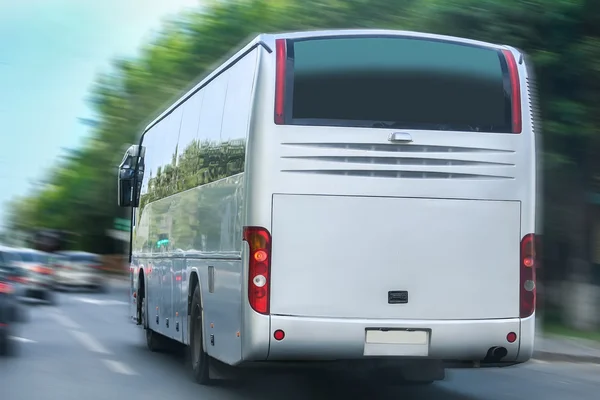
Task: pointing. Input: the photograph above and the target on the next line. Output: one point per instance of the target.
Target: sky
(50, 53)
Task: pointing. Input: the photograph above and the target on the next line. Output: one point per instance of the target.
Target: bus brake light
(259, 268)
(515, 91)
(281, 60)
(527, 282)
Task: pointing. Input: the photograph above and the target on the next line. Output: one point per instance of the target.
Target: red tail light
(6, 288)
(281, 60)
(528, 266)
(515, 91)
(42, 270)
(18, 279)
(259, 268)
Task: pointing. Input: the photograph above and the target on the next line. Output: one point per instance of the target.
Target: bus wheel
(198, 356)
(152, 339)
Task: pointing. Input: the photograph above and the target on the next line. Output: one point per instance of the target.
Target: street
(85, 347)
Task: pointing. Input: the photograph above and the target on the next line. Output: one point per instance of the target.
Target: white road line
(100, 302)
(119, 367)
(65, 321)
(536, 361)
(22, 339)
(89, 342)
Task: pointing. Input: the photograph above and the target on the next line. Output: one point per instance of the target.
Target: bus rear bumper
(307, 338)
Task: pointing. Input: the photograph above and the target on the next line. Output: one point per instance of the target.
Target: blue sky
(50, 53)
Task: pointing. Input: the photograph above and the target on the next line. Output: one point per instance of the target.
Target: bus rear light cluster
(259, 268)
(280, 71)
(527, 281)
(515, 92)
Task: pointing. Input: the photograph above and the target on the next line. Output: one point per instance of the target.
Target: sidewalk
(555, 348)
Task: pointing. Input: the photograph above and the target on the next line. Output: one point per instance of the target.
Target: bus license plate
(412, 343)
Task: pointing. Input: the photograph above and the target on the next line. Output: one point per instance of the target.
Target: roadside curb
(563, 357)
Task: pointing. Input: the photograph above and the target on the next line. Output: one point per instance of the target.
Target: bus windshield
(399, 82)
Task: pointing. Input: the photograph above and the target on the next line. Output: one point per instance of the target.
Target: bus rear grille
(398, 160)
(397, 174)
(533, 103)
(398, 148)
(406, 161)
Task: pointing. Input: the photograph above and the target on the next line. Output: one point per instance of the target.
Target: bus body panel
(344, 338)
(189, 225)
(313, 161)
(343, 257)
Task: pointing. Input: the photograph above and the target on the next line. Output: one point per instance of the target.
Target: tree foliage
(561, 36)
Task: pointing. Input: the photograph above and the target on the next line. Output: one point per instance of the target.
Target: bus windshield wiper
(383, 124)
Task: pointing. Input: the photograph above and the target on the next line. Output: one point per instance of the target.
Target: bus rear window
(397, 82)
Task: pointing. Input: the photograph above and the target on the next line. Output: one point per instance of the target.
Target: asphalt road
(85, 348)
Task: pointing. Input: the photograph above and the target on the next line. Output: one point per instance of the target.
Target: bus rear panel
(392, 176)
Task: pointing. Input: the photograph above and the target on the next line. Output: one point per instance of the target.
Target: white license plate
(397, 337)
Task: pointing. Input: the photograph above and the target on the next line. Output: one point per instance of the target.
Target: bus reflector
(527, 282)
(281, 59)
(6, 288)
(511, 337)
(515, 91)
(259, 268)
(279, 334)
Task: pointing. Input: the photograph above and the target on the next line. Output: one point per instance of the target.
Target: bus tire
(198, 357)
(153, 341)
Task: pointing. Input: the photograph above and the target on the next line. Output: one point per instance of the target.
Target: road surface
(85, 348)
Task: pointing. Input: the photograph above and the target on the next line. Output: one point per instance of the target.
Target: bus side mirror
(129, 183)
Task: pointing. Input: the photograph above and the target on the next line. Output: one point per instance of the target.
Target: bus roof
(267, 41)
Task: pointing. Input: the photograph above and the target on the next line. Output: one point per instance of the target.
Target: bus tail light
(281, 60)
(259, 268)
(515, 91)
(528, 266)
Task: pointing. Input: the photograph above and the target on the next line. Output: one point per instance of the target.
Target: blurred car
(5, 315)
(8, 302)
(39, 281)
(56, 262)
(13, 270)
(80, 269)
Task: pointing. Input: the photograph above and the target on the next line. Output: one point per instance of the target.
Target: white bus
(353, 195)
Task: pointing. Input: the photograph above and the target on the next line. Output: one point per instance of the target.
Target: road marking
(65, 321)
(119, 367)
(100, 302)
(536, 361)
(22, 339)
(89, 342)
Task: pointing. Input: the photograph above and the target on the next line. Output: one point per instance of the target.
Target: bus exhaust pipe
(495, 354)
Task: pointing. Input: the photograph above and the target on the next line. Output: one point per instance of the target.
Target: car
(17, 276)
(39, 282)
(79, 269)
(8, 306)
